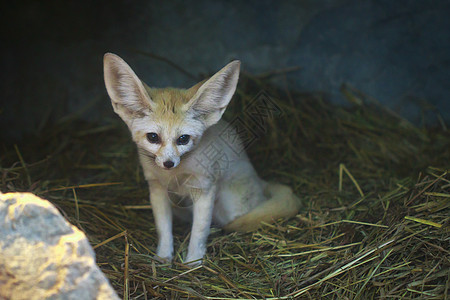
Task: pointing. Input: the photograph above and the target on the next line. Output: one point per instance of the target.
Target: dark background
(397, 52)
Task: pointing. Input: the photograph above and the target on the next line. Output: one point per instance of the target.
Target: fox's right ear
(128, 95)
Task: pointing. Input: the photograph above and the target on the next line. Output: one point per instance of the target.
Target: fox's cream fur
(176, 130)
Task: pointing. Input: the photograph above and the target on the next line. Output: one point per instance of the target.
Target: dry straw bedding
(375, 189)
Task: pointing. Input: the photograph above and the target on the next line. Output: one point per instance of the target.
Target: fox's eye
(153, 138)
(184, 139)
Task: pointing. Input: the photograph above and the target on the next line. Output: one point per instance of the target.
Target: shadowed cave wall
(397, 52)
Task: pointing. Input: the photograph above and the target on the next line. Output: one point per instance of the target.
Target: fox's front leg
(162, 212)
(202, 216)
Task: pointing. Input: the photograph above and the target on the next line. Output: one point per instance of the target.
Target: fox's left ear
(213, 96)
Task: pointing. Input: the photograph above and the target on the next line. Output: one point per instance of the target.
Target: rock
(42, 256)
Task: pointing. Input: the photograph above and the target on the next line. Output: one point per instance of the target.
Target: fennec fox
(174, 129)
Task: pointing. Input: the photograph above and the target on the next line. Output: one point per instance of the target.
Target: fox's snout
(168, 164)
(167, 157)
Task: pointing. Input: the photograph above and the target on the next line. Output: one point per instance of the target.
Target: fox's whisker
(146, 153)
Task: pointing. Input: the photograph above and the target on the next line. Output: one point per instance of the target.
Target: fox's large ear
(213, 96)
(128, 95)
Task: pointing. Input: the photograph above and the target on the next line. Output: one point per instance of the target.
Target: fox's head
(167, 123)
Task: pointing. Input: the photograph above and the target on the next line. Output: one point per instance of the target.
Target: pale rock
(42, 256)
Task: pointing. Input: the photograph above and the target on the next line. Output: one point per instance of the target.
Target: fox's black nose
(168, 164)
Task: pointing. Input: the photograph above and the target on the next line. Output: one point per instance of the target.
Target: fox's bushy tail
(281, 203)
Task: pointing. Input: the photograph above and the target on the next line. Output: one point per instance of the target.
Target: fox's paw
(163, 260)
(193, 261)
